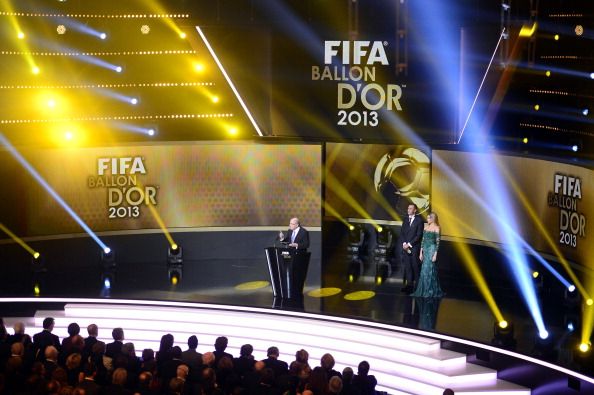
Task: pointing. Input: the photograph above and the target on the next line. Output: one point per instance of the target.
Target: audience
(90, 367)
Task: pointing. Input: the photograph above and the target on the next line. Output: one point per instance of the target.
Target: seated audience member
(220, 347)
(279, 367)
(347, 382)
(363, 381)
(51, 361)
(335, 385)
(327, 363)
(118, 382)
(88, 383)
(245, 362)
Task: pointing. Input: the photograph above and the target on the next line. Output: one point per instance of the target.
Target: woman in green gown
(428, 284)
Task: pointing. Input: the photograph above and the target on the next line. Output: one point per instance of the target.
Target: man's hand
(293, 245)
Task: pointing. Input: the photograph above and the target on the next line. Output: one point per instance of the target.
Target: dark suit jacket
(302, 238)
(411, 233)
(44, 339)
(114, 349)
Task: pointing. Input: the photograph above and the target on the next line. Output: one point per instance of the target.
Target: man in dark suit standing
(297, 236)
(411, 234)
(45, 338)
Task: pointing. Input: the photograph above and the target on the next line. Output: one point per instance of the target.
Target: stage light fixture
(118, 69)
(356, 241)
(574, 148)
(536, 107)
(35, 70)
(174, 264)
(579, 30)
(145, 29)
(354, 270)
(525, 140)
(134, 101)
(548, 73)
(182, 35)
(61, 29)
(215, 99)
(198, 67)
(592, 76)
(21, 35)
(503, 335)
(556, 37)
(108, 266)
(174, 255)
(585, 112)
(232, 131)
(584, 347)
(589, 302)
(150, 132)
(103, 36)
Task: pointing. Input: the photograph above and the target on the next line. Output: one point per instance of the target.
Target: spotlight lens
(21, 35)
(199, 67)
(215, 99)
(589, 302)
(182, 35)
(525, 140)
(556, 37)
(174, 279)
(380, 229)
(107, 283)
(103, 36)
(36, 255)
(574, 148)
(585, 111)
(584, 347)
(535, 274)
(68, 135)
(35, 70)
(536, 107)
(233, 131)
(570, 326)
(571, 288)
(592, 76)
(118, 69)
(151, 132)
(351, 227)
(145, 29)
(107, 250)
(36, 290)
(134, 101)
(174, 246)
(548, 73)
(503, 324)
(543, 334)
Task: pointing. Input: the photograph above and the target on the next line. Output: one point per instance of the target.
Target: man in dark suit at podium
(297, 236)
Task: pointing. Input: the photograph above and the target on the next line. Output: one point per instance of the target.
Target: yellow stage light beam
(471, 264)
(335, 185)
(542, 230)
(587, 311)
(20, 241)
(20, 35)
(528, 31)
(380, 199)
(158, 9)
(159, 220)
(332, 211)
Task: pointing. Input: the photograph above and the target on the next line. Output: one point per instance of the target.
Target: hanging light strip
(98, 16)
(95, 86)
(166, 52)
(116, 118)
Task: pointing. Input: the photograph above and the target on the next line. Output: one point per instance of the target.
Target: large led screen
(189, 185)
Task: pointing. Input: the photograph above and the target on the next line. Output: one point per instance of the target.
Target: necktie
(411, 220)
(293, 234)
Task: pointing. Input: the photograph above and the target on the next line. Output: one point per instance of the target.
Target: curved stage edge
(404, 360)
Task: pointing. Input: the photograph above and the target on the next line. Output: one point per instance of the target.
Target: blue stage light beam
(118, 96)
(148, 131)
(13, 151)
(499, 201)
(82, 28)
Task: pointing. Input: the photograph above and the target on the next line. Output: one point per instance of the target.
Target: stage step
(402, 363)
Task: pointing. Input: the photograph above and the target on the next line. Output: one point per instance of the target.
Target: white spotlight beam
(235, 91)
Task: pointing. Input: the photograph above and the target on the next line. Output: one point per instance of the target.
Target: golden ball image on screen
(403, 177)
